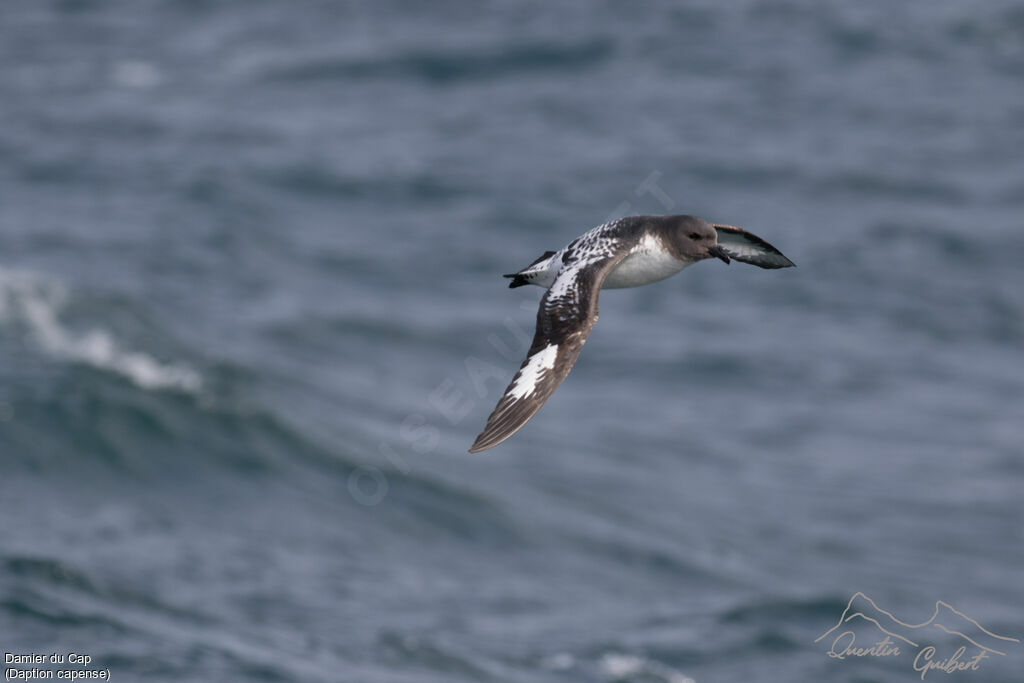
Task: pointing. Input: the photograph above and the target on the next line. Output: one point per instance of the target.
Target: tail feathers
(519, 279)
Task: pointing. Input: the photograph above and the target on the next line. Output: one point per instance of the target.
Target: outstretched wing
(749, 248)
(566, 315)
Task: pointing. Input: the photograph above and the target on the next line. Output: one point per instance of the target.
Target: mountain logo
(976, 643)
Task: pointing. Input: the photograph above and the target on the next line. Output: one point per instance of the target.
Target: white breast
(647, 263)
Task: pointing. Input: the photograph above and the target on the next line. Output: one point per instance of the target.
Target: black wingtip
(770, 257)
(517, 280)
(482, 444)
(786, 264)
(486, 441)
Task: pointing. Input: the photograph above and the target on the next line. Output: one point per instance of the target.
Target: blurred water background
(251, 318)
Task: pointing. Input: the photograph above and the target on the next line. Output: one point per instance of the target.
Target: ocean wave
(440, 66)
(622, 666)
(36, 303)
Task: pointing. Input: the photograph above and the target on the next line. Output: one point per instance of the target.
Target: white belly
(642, 268)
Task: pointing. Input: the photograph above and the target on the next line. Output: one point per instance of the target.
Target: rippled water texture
(251, 318)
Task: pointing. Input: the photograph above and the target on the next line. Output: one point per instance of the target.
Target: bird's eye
(694, 235)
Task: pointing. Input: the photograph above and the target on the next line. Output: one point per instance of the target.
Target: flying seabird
(628, 252)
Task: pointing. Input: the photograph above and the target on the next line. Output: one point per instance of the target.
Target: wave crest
(36, 303)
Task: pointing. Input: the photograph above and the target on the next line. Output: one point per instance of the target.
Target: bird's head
(697, 239)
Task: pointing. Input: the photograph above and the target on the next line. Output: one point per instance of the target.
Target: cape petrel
(629, 252)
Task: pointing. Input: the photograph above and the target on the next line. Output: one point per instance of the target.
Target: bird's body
(629, 252)
(647, 262)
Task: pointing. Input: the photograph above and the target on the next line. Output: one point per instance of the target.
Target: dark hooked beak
(718, 252)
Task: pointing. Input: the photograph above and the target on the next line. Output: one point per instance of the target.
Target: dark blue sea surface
(251, 319)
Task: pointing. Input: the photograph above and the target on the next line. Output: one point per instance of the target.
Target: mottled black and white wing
(566, 315)
(749, 248)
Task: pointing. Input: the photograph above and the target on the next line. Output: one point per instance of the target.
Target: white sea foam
(623, 666)
(35, 303)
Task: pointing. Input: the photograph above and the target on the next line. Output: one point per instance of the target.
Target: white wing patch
(531, 373)
(563, 283)
(589, 248)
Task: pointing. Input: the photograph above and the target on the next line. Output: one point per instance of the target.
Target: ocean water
(251, 318)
